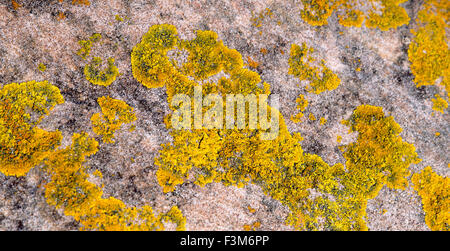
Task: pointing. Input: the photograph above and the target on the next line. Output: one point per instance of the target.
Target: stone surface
(33, 34)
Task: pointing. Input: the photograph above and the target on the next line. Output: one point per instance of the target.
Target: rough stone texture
(33, 34)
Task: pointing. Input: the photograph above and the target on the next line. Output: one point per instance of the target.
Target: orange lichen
(258, 19)
(251, 63)
(15, 5)
(61, 16)
(81, 2)
(252, 227)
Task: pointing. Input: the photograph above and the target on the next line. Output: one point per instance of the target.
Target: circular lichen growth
(97, 76)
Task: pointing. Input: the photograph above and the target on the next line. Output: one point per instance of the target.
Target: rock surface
(35, 34)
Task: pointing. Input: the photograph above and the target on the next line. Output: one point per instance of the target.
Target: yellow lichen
(23, 146)
(317, 12)
(114, 114)
(392, 15)
(429, 53)
(439, 104)
(118, 18)
(302, 103)
(42, 67)
(70, 190)
(97, 76)
(86, 45)
(382, 14)
(389, 156)
(320, 78)
(150, 66)
(22, 107)
(435, 193)
(239, 156)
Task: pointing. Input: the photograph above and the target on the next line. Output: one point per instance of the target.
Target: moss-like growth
(22, 107)
(97, 76)
(114, 114)
(320, 78)
(435, 193)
